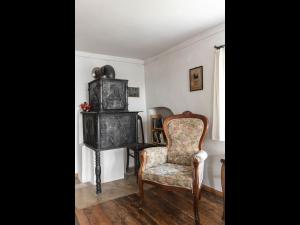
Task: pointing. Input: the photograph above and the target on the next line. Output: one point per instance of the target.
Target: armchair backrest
(185, 134)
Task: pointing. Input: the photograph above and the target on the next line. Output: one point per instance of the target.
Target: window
(218, 122)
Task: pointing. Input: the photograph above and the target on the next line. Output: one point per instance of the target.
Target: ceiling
(141, 28)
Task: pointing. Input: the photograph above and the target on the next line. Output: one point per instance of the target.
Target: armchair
(179, 165)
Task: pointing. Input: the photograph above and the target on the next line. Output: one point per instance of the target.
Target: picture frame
(133, 92)
(196, 78)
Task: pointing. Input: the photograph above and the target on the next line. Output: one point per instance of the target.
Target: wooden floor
(160, 208)
(85, 193)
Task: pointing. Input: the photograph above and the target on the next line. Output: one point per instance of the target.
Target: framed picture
(133, 92)
(196, 78)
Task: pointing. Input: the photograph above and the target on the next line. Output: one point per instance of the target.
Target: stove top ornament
(104, 72)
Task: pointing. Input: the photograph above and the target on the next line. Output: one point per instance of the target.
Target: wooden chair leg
(196, 210)
(141, 191)
(200, 194)
(138, 161)
(223, 185)
(135, 163)
(223, 217)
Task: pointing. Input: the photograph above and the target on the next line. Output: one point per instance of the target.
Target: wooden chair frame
(196, 189)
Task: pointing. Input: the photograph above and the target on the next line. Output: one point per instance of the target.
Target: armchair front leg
(198, 165)
(143, 156)
(196, 191)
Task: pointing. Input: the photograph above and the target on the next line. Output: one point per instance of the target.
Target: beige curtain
(218, 122)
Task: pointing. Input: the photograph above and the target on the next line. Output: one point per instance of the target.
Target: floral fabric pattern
(155, 156)
(184, 136)
(170, 174)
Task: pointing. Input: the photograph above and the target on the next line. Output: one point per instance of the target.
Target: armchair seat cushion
(170, 174)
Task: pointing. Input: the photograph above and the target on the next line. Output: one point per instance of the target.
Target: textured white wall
(167, 84)
(125, 68)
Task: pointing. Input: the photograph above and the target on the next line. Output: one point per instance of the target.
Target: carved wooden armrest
(198, 164)
(200, 156)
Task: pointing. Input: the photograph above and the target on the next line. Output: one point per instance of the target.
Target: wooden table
(223, 184)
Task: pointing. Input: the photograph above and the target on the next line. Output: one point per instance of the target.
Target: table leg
(98, 173)
(135, 162)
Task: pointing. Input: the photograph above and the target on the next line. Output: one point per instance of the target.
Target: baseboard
(212, 190)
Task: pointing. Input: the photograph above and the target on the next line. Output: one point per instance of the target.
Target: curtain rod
(218, 47)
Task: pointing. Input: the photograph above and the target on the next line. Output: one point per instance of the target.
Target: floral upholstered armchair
(179, 166)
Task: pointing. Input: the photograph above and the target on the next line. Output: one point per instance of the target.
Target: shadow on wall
(163, 111)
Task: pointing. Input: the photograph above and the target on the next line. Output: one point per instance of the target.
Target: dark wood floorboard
(160, 208)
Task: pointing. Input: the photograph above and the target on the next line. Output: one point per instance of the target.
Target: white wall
(167, 84)
(125, 68)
